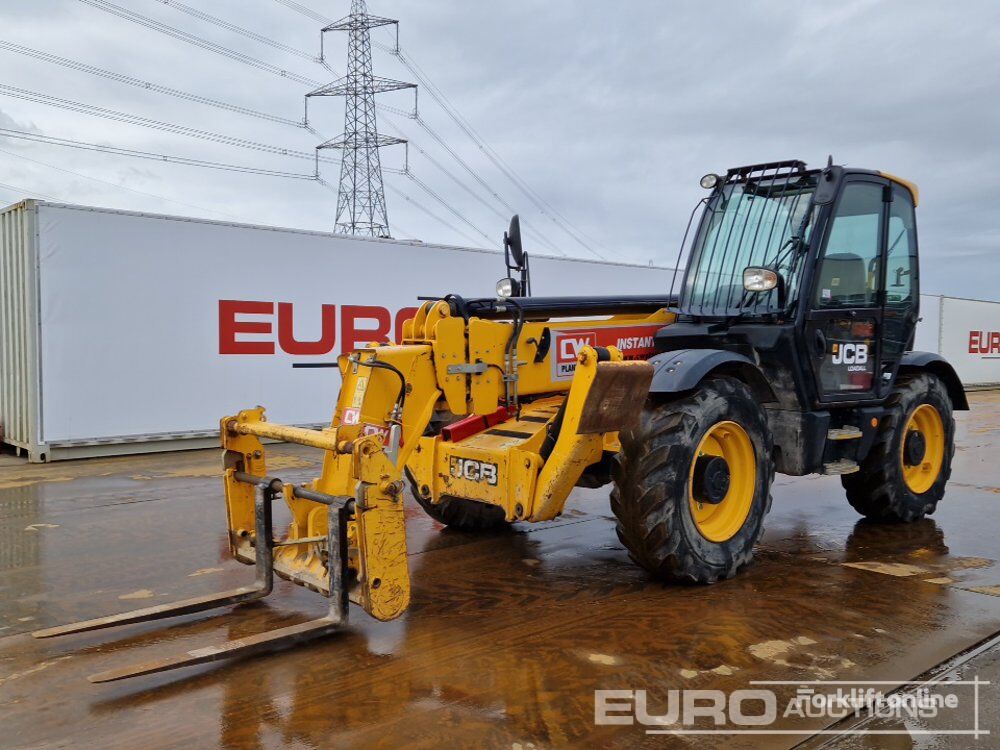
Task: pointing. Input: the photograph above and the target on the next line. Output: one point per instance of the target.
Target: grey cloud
(611, 113)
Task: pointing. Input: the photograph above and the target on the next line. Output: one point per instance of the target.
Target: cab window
(849, 270)
(901, 264)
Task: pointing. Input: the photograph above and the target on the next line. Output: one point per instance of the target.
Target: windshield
(749, 223)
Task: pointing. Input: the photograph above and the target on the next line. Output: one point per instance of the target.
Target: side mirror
(517, 262)
(829, 181)
(512, 242)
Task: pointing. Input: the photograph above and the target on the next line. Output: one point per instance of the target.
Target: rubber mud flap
(616, 397)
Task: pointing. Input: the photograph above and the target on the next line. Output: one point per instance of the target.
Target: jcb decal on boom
(474, 471)
(633, 341)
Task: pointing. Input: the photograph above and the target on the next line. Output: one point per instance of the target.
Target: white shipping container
(928, 337)
(969, 338)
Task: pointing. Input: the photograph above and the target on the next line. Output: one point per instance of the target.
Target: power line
(438, 96)
(266, 40)
(183, 36)
(146, 85)
(544, 207)
(170, 127)
(485, 185)
(131, 119)
(417, 205)
(117, 185)
(206, 135)
(170, 159)
(426, 188)
(323, 19)
(238, 29)
(219, 49)
(304, 11)
(185, 161)
(102, 4)
(139, 83)
(361, 206)
(24, 191)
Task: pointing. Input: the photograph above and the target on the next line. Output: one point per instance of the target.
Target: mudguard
(682, 370)
(937, 365)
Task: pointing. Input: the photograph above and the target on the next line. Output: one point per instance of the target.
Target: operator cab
(812, 274)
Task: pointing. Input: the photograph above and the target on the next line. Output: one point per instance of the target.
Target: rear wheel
(458, 513)
(904, 475)
(692, 483)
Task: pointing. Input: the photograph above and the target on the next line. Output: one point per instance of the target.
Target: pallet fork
(268, 491)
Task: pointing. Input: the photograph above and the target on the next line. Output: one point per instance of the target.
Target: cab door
(901, 301)
(845, 317)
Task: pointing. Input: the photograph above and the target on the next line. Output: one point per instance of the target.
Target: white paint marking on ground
(140, 594)
(899, 570)
(204, 572)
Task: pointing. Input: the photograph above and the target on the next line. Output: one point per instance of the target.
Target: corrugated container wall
(19, 394)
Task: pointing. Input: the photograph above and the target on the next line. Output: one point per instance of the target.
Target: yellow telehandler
(787, 348)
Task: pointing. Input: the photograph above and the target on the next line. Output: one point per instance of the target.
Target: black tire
(651, 493)
(878, 491)
(458, 513)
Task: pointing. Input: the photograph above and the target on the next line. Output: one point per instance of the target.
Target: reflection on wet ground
(508, 636)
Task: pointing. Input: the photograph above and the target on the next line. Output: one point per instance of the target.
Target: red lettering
(401, 317)
(230, 327)
(995, 342)
(286, 332)
(353, 337)
(360, 324)
(973, 342)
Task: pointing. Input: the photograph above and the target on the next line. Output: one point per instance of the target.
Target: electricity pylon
(361, 208)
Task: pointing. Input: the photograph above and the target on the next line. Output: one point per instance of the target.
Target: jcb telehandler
(787, 348)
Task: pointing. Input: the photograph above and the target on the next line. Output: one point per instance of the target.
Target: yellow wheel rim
(722, 521)
(927, 421)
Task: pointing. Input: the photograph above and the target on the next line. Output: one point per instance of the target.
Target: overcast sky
(609, 111)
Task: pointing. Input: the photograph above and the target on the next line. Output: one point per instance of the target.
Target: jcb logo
(850, 354)
(474, 471)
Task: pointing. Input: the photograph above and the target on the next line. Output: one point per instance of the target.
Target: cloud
(610, 117)
(9, 123)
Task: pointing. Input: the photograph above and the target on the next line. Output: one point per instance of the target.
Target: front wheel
(692, 483)
(904, 475)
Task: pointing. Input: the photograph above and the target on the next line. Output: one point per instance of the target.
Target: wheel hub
(922, 449)
(711, 479)
(914, 448)
(722, 481)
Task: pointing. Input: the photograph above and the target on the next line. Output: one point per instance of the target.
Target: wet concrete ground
(509, 634)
